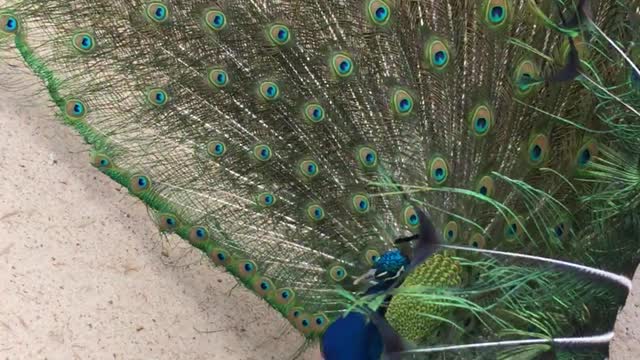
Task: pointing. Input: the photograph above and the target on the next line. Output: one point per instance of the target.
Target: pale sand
(85, 275)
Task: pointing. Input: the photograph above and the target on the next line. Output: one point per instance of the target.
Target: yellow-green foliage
(408, 314)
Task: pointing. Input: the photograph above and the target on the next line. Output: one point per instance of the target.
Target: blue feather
(352, 337)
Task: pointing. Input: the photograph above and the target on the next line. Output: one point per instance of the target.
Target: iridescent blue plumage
(352, 337)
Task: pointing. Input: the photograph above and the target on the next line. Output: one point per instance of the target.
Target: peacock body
(294, 142)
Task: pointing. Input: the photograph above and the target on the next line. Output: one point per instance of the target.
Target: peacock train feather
(353, 161)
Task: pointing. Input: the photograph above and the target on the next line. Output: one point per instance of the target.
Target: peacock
(441, 179)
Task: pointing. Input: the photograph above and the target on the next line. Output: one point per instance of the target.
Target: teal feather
(290, 141)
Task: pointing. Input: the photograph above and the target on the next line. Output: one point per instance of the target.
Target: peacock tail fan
(292, 140)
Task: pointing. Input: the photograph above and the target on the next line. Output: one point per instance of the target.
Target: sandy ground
(84, 273)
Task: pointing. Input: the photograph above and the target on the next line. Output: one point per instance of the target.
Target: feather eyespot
(198, 234)
(496, 13)
(218, 78)
(360, 203)
(371, 257)
(538, 150)
(157, 97)
(477, 241)
(481, 120)
(262, 152)
(266, 200)
(379, 12)
(309, 168)
(102, 162)
(167, 222)
(10, 24)
(215, 19)
(314, 112)
(139, 183)
(485, 186)
(450, 232)
(410, 217)
(216, 149)
(269, 91)
(75, 109)
(437, 54)
(439, 170)
(285, 296)
(220, 257)
(157, 12)
(263, 286)
(315, 212)
(279, 34)
(83, 42)
(342, 65)
(338, 273)
(367, 157)
(319, 322)
(526, 78)
(586, 154)
(402, 102)
(246, 269)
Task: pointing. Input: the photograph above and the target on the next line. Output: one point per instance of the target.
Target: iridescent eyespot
(367, 157)
(9, 23)
(246, 269)
(75, 109)
(562, 230)
(279, 34)
(218, 78)
(319, 322)
(410, 217)
(83, 42)
(294, 314)
(315, 212)
(439, 170)
(198, 233)
(586, 153)
(139, 183)
(167, 222)
(308, 168)
(513, 229)
(262, 152)
(496, 13)
(102, 162)
(314, 112)
(342, 65)
(371, 257)
(526, 78)
(360, 203)
(157, 97)
(220, 257)
(450, 232)
(157, 12)
(477, 241)
(481, 120)
(215, 19)
(285, 296)
(266, 199)
(402, 102)
(538, 150)
(304, 323)
(263, 286)
(485, 186)
(436, 54)
(338, 273)
(269, 91)
(379, 12)
(216, 149)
